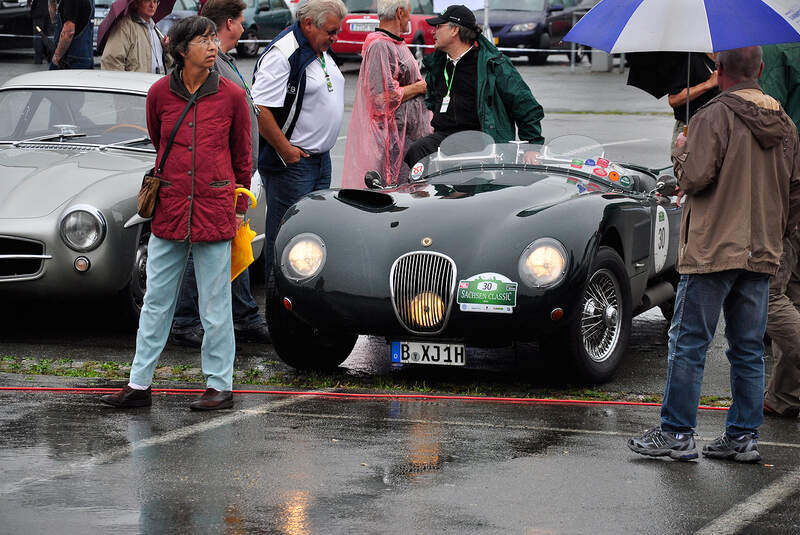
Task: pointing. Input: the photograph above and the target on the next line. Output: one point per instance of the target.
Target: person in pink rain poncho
(389, 110)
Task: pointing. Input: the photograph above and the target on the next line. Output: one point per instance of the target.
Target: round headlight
(303, 257)
(543, 263)
(83, 228)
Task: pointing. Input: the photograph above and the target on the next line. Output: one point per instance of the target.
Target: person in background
(300, 92)
(210, 157)
(703, 86)
(248, 323)
(742, 157)
(473, 86)
(781, 80)
(389, 110)
(40, 17)
(135, 43)
(74, 30)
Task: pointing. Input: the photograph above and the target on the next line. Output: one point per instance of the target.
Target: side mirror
(373, 180)
(263, 6)
(666, 185)
(556, 7)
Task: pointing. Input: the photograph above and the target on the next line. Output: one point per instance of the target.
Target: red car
(362, 19)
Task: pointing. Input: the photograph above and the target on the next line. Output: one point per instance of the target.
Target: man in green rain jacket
(472, 86)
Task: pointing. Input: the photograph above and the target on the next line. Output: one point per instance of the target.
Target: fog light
(82, 264)
(427, 310)
(556, 314)
(287, 303)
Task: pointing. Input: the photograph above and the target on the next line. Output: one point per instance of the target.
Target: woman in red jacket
(210, 157)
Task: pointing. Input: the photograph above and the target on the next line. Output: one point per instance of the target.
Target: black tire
(298, 344)
(248, 50)
(132, 296)
(599, 334)
(540, 58)
(668, 309)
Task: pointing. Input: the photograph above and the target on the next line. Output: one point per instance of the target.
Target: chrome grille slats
(20, 257)
(422, 285)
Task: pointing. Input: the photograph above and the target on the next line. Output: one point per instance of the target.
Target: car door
(271, 17)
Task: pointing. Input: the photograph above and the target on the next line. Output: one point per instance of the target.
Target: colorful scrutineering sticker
(591, 186)
(602, 162)
(613, 176)
(599, 171)
(487, 292)
(590, 163)
(660, 239)
(417, 171)
(578, 164)
(581, 188)
(625, 181)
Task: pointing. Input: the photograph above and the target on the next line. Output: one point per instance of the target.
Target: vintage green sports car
(486, 245)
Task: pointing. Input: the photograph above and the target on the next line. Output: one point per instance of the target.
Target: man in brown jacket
(135, 43)
(739, 169)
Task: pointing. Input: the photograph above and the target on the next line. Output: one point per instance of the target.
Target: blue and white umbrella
(687, 25)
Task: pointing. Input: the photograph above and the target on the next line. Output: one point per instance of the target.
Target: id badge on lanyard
(445, 104)
(448, 83)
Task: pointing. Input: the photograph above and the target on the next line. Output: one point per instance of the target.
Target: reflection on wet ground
(304, 465)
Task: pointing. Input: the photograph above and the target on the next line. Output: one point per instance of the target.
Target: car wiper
(126, 143)
(50, 137)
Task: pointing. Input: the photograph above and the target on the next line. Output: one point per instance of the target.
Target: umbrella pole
(688, 87)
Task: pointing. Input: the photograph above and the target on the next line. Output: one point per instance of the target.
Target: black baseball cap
(458, 14)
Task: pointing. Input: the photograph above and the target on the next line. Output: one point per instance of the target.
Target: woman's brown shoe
(212, 399)
(128, 398)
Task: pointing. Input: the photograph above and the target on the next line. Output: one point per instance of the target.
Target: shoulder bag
(148, 193)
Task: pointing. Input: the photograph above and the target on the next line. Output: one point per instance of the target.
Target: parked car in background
(362, 18)
(15, 19)
(73, 149)
(263, 20)
(539, 24)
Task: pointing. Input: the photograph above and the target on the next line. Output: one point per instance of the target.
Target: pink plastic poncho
(383, 126)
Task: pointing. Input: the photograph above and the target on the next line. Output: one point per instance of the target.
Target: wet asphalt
(306, 464)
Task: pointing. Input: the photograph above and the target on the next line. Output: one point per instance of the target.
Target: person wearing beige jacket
(739, 169)
(135, 43)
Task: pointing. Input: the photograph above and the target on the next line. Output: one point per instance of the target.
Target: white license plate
(363, 26)
(423, 353)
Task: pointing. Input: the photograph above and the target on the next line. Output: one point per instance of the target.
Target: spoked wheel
(132, 296)
(599, 334)
(300, 345)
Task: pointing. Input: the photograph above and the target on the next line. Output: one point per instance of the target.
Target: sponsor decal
(625, 181)
(602, 162)
(599, 171)
(592, 187)
(487, 292)
(417, 171)
(581, 188)
(660, 239)
(613, 176)
(578, 164)
(590, 163)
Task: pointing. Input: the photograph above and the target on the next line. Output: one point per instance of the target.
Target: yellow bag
(242, 244)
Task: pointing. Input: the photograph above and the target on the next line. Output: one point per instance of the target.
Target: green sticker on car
(487, 292)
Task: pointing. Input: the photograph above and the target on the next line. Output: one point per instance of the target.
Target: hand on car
(531, 157)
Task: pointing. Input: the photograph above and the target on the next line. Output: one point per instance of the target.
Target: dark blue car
(542, 24)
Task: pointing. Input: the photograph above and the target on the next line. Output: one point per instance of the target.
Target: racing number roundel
(660, 239)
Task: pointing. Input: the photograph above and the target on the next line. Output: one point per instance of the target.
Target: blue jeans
(166, 260)
(284, 187)
(743, 297)
(245, 309)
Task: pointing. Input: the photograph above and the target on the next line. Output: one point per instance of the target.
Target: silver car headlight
(525, 27)
(543, 263)
(303, 257)
(83, 228)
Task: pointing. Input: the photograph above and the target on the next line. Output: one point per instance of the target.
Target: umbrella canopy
(653, 71)
(686, 25)
(125, 7)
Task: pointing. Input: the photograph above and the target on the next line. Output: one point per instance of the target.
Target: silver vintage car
(73, 149)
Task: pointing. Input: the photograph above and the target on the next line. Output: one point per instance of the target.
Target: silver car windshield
(59, 115)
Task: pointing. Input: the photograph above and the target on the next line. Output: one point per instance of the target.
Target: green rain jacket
(504, 99)
(781, 77)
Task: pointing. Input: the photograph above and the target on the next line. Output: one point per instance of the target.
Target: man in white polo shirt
(300, 92)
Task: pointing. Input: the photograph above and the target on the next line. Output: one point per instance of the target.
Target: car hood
(34, 183)
(508, 16)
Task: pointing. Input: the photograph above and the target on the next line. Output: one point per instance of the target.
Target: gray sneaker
(743, 449)
(657, 443)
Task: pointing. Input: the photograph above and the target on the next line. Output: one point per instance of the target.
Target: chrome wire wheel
(601, 316)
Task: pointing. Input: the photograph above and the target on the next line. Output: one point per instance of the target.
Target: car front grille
(20, 257)
(423, 285)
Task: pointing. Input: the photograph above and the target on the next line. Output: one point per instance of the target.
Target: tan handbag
(147, 197)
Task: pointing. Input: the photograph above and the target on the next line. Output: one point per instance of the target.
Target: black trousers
(423, 147)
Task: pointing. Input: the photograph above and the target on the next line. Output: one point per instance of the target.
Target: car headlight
(83, 228)
(303, 257)
(525, 27)
(543, 263)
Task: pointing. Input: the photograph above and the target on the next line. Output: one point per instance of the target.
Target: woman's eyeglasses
(205, 41)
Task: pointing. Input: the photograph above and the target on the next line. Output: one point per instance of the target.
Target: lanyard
(448, 82)
(230, 62)
(321, 58)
